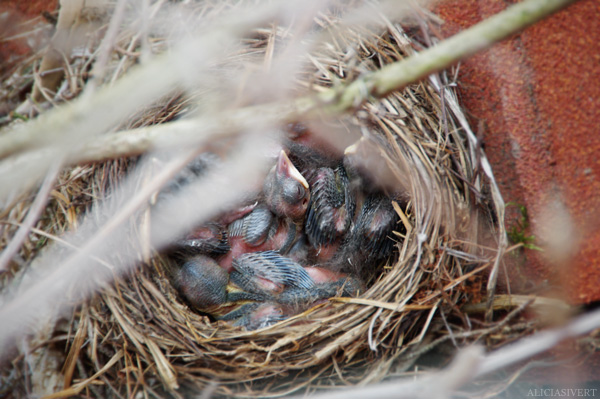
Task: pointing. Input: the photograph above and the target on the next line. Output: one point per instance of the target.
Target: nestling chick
(261, 315)
(308, 151)
(286, 191)
(371, 239)
(205, 285)
(210, 239)
(259, 231)
(269, 273)
(376, 222)
(331, 209)
(367, 168)
(298, 300)
(276, 222)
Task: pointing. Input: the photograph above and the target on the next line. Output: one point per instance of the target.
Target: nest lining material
(140, 330)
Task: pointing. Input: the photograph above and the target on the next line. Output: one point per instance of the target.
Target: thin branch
(32, 217)
(94, 113)
(470, 364)
(179, 134)
(456, 48)
(333, 101)
(46, 295)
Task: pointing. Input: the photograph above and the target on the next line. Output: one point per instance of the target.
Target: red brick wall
(539, 96)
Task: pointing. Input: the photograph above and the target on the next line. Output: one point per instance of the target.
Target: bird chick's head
(286, 191)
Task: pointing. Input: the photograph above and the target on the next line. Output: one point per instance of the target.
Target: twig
(21, 312)
(333, 101)
(95, 113)
(470, 364)
(32, 216)
(462, 45)
(535, 344)
(503, 302)
(467, 334)
(432, 386)
(107, 44)
(75, 389)
(181, 133)
(65, 243)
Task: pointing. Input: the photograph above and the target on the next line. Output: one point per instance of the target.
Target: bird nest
(138, 335)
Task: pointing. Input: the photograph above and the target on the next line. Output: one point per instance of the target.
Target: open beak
(286, 168)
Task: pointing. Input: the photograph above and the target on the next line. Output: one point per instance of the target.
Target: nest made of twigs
(140, 330)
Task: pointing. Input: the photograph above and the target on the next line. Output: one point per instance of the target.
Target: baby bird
(292, 301)
(367, 168)
(334, 282)
(370, 240)
(269, 273)
(308, 151)
(286, 191)
(261, 315)
(329, 285)
(276, 222)
(263, 288)
(210, 238)
(259, 231)
(255, 227)
(290, 285)
(195, 170)
(205, 285)
(331, 209)
(373, 231)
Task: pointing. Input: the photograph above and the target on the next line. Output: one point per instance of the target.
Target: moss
(518, 232)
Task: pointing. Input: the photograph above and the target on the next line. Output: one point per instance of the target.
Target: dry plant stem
(32, 216)
(22, 312)
(65, 244)
(535, 344)
(73, 119)
(471, 359)
(96, 112)
(77, 388)
(437, 385)
(107, 44)
(179, 134)
(462, 45)
(503, 302)
(52, 60)
(333, 101)
(452, 50)
(13, 310)
(470, 333)
(478, 153)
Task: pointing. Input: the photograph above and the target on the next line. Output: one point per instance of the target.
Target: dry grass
(135, 336)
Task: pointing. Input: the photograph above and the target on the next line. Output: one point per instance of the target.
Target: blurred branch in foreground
(68, 278)
(471, 363)
(333, 101)
(61, 131)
